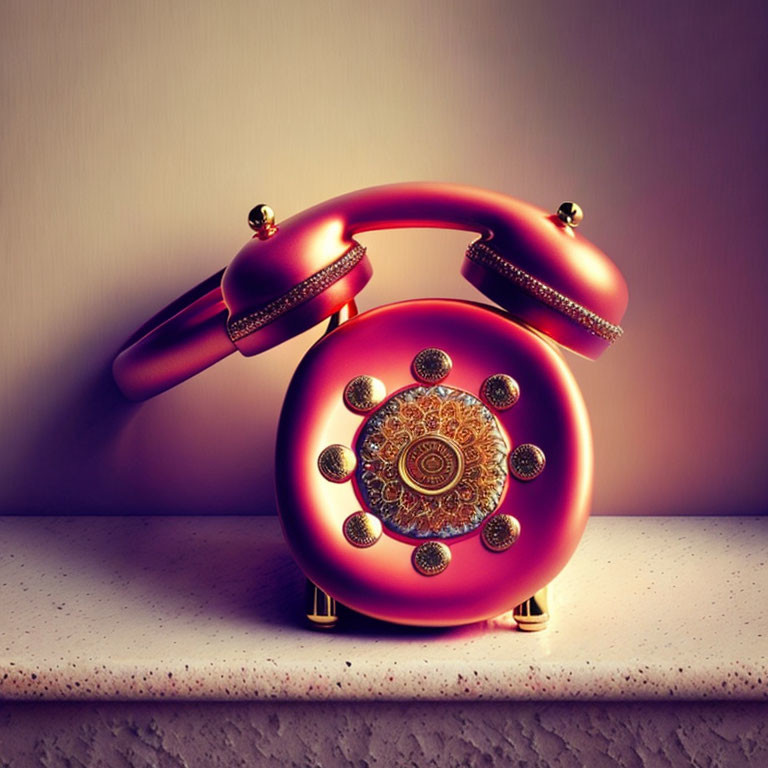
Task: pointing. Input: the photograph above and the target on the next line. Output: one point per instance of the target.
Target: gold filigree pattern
(427, 438)
(431, 464)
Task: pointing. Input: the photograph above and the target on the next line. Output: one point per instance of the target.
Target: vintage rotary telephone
(435, 464)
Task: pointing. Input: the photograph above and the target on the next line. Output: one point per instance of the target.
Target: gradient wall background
(136, 136)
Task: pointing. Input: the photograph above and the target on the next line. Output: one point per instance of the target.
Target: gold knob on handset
(570, 213)
(261, 220)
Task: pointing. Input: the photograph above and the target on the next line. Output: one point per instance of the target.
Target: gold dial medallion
(431, 558)
(431, 464)
(336, 463)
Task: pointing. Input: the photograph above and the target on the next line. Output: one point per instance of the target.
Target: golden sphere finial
(570, 213)
(261, 220)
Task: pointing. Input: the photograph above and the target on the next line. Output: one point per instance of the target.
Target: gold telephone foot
(320, 608)
(533, 614)
(528, 626)
(323, 624)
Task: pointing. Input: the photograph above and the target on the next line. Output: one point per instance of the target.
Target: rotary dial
(431, 462)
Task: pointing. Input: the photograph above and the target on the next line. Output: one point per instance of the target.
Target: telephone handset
(434, 457)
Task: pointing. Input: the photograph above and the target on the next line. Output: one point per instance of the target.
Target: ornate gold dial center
(431, 464)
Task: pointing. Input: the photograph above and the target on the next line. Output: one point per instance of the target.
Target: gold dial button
(431, 558)
(500, 391)
(527, 461)
(364, 393)
(362, 529)
(501, 532)
(432, 365)
(336, 463)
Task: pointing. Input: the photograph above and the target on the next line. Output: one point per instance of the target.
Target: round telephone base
(429, 470)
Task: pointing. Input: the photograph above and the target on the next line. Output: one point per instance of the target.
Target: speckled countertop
(210, 608)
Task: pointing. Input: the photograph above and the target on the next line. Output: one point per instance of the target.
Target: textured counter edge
(485, 682)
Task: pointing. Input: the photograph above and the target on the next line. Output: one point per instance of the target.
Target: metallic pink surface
(263, 271)
(183, 339)
(552, 509)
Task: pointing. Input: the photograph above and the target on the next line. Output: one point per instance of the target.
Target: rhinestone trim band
(304, 291)
(483, 254)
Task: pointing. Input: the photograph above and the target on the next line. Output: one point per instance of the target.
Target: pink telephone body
(434, 457)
